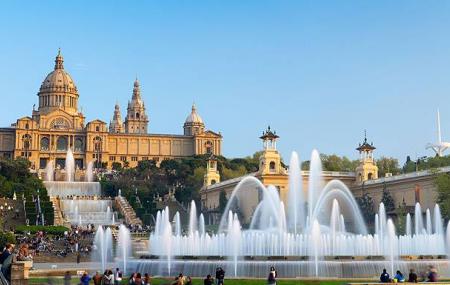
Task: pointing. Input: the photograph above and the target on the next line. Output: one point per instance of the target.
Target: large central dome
(58, 91)
(58, 79)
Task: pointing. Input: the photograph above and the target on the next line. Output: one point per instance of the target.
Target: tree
(387, 200)
(442, 182)
(387, 165)
(401, 212)
(366, 205)
(222, 201)
(116, 166)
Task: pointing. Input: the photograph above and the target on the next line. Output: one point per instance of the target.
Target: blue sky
(319, 72)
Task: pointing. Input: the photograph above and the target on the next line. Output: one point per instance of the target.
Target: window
(45, 143)
(272, 166)
(78, 144)
(97, 129)
(134, 158)
(145, 158)
(97, 144)
(137, 116)
(156, 159)
(61, 143)
(27, 126)
(369, 176)
(123, 158)
(112, 158)
(208, 147)
(213, 182)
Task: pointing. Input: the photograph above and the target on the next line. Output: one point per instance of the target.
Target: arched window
(369, 176)
(97, 129)
(97, 144)
(61, 143)
(137, 115)
(78, 146)
(208, 147)
(272, 166)
(27, 126)
(26, 141)
(213, 182)
(45, 143)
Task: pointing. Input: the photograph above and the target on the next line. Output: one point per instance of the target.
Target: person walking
(272, 278)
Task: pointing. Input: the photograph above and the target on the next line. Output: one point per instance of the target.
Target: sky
(318, 72)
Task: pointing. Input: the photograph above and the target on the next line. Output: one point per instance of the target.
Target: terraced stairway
(127, 211)
(59, 219)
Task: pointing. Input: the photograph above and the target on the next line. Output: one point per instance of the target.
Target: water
(88, 211)
(124, 247)
(49, 171)
(89, 177)
(311, 237)
(103, 247)
(70, 166)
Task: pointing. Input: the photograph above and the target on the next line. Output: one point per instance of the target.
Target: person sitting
(399, 277)
(138, 280)
(24, 254)
(188, 281)
(384, 278)
(412, 278)
(432, 275)
(208, 280)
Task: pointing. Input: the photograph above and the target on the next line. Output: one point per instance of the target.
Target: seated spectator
(399, 277)
(432, 275)
(385, 278)
(208, 280)
(412, 278)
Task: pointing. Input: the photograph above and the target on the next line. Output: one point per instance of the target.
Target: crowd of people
(430, 276)
(76, 240)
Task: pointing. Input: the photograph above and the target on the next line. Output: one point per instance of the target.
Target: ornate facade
(58, 125)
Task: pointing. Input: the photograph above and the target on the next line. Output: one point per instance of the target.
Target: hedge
(51, 230)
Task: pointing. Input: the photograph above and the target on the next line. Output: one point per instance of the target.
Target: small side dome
(194, 117)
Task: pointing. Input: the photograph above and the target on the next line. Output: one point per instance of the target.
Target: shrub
(51, 230)
(6, 237)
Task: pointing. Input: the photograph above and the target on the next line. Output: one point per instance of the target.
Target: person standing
(208, 280)
(85, 279)
(67, 278)
(97, 279)
(272, 279)
(117, 277)
(220, 276)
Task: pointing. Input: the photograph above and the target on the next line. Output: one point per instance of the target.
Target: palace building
(58, 125)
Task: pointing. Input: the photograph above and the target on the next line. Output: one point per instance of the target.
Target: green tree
(387, 200)
(387, 165)
(366, 205)
(442, 182)
(116, 166)
(222, 201)
(401, 212)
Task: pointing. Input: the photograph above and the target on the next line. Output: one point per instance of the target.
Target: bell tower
(212, 175)
(270, 160)
(136, 121)
(367, 168)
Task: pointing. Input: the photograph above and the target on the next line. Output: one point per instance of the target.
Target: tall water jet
(177, 224)
(124, 247)
(70, 166)
(391, 243)
(408, 225)
(49, 171)
(418, 220)
(438, 227)
(296, 203)
(316, 245)
(103, 246)
(428, 219)
(89, 177)
(315, 181)
(193, 219)
(201, 225)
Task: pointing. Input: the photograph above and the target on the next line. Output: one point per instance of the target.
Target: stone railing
(127, 211)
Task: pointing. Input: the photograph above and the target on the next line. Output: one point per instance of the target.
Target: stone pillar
(20, 272)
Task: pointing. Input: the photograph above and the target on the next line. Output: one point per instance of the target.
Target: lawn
(157, 281)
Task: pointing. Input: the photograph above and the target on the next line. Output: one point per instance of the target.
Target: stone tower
(116, 124)
(193, 125)
(136, 121)
(212, 175)
(367, 168)
(270, 159)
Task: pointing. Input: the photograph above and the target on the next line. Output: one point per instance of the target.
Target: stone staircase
(59, 219)
(127, 211)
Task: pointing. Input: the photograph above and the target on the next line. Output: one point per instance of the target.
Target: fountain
(103, 247)
(124, 247)
(89, 177)
(325, 237)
